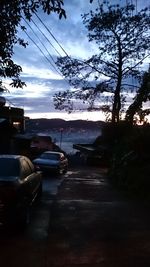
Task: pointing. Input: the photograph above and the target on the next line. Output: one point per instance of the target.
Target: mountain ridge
(53, 124)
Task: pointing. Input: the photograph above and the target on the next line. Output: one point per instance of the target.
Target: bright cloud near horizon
(42, 79)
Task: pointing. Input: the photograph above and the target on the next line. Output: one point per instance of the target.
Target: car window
(50, 156)
(9, 167)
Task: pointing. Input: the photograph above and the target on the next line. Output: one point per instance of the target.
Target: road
(84, 223)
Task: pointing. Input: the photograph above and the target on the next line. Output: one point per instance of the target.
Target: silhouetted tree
(142, 96)
(11, 13)
(122, 38)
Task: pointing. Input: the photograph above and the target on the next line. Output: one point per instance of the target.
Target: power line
(46, 37)
(39, 40)
(52, 35)
(51, 44)
(57, 42)
(41, 52)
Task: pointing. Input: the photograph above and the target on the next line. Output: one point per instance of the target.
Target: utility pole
(61, 133)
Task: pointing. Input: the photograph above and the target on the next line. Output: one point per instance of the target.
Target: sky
(42, 79)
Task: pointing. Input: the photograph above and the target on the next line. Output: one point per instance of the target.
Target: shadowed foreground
(92, 225)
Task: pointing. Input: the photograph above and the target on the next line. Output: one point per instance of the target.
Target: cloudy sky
(39, 73)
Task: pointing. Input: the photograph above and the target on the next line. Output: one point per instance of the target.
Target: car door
(34, 178)
(27, 180)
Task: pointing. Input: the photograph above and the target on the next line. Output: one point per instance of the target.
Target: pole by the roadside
(61, 134)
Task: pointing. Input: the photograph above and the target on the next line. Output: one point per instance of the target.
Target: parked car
(20, 185)
(50, 161)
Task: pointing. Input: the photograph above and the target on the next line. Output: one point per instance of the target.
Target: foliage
(3, 88)
(143, 95)
(130, 168)
(122, 38)
(11, 13)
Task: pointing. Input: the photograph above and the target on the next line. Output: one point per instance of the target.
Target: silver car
(51, 161)
(20, 185)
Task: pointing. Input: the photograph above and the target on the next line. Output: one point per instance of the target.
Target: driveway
(93, 225)
(81, 221)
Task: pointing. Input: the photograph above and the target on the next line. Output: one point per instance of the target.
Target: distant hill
(54, 124)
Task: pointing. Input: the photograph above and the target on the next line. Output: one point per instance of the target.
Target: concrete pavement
(93, 225)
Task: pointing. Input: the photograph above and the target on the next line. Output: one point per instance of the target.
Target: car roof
(53, 152)
(11, 156)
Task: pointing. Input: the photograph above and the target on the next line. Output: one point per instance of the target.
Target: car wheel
(65, 170)
(58, 172)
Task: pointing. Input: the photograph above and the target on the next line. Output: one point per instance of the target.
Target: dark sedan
(20, 185)
(51, 161)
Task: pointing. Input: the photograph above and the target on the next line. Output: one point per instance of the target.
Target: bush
(130, 164)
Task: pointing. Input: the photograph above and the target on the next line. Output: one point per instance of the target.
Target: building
(11, 123)
(14, 116)
(41, 143)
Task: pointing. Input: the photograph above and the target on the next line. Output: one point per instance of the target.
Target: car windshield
(9, 167)
(50, 156)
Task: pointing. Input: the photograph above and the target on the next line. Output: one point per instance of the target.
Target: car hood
(46, 161)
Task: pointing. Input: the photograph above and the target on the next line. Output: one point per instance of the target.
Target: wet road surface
(93, 225)
(81, 221)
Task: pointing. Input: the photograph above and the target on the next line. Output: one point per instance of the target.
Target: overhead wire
(48, 42)
(39, 40)
(59, 72)
(51, 34)
(41, 51)
(46, 37)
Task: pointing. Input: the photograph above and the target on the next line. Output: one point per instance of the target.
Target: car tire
(65, 170)
(58, 172)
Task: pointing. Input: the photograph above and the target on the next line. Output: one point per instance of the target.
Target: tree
(142, 96)
(122, 38)
(11, 13)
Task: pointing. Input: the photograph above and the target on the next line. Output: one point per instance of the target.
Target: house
(14, 116)
(96, 155)
(11, 123)
(41, 143)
